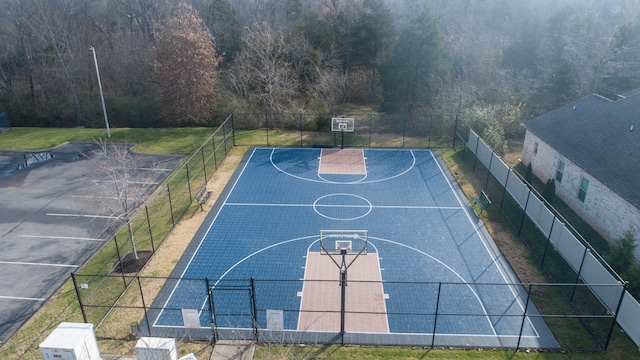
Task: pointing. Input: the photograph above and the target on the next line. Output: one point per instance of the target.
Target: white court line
(36, 264)
(21, 298)
(59, 237)
(86, 216)
(351, 206)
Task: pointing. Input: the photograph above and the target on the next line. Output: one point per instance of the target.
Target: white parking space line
(36, 264)
(102, 197)
(21, 298)
(128, 182)
(59, 237)
(154, 169)
(86, 216)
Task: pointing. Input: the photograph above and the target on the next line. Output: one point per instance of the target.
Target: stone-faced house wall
(609, 214)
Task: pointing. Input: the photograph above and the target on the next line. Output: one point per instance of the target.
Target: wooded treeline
(167, 62)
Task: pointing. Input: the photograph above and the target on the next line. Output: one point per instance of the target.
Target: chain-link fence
(434, 314)
(152, 223)
(562, 253)
(379, 130)
(580, 309)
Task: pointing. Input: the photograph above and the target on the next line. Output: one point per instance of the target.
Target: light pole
(104, 108)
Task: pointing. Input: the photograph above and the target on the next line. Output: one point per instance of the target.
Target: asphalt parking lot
(53, 217)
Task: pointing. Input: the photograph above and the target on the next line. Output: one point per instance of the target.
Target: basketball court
(375, 246)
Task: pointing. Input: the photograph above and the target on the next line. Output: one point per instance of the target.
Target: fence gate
(233, 309)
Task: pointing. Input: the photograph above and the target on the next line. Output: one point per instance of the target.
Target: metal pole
(575, 283)
(104, 108)
(254, 308)
(435, 316)
(615, 318)
(204, 165)
(146, 210)
(186, 166)
(115, 240)
(455, 132)
(524, 213)
(144, 307)
(75, 287)
(524, 316)
(343, 288)
(211, 317)
(233, 130)
(173, 222)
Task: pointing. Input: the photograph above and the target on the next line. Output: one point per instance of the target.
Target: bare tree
(262, 71)
(187, 67)
(331, 88)
(54, 43)
(116, 179)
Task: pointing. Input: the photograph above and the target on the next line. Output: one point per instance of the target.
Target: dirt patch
(514, 251)
(129, 264)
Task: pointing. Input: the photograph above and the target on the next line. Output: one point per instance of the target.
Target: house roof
(600, 136)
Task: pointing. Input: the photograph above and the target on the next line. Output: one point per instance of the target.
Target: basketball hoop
(342, 125)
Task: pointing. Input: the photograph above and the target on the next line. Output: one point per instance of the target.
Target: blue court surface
(434, 255)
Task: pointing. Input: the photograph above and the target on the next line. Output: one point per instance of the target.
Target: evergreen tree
(528, 175)
(549, 191)
(621, 253)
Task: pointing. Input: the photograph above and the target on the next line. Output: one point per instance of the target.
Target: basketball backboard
(342, 124)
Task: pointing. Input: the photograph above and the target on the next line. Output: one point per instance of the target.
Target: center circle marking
(329, 203)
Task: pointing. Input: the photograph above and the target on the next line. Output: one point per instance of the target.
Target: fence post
(546, 247)
(404, 129)
(435, 316)
(224, 140)
(266, 126)
(146, 210)
(524, 212)
(254, 309)
(475, 158)
(455, 132)
(214, 329)
(524, 316)
(300, 130)
(144, 307)
(213, 144)
(430, 130)
(504, 193)
(75, 287)
(233, 130)
(486, 183)
(204, 165)
(115, 240)
(615, 317)
(575, 285)
(370, 124)
(173, 223)
(186, 166)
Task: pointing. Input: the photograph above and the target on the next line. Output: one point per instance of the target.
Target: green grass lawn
(180, 141)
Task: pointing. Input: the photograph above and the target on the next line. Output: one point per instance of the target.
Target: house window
(584, 186)
(560, 171)
(535, 147)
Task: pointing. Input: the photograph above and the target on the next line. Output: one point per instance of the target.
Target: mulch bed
(132, 265)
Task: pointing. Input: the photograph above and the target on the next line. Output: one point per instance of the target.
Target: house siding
(609, 214)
